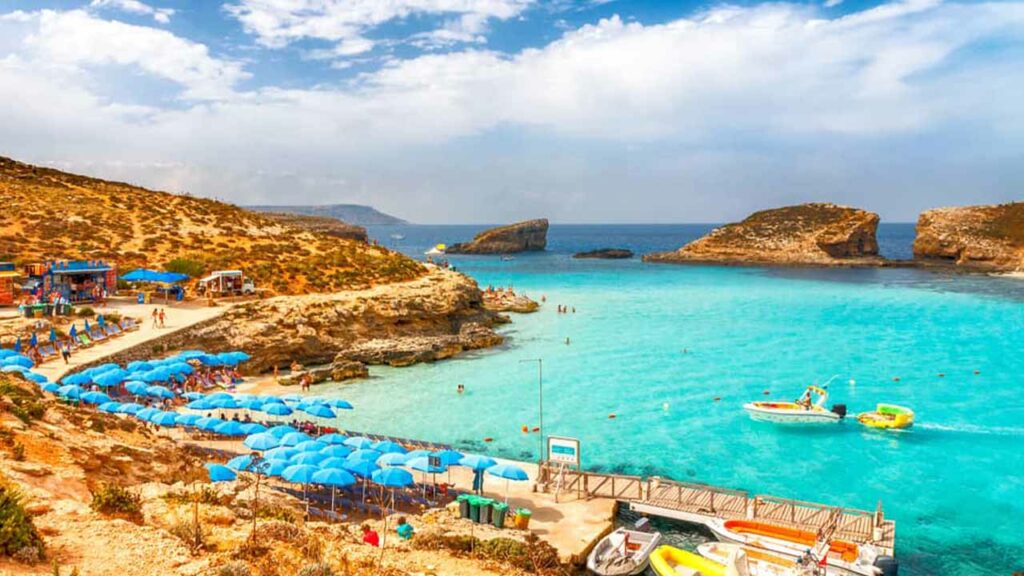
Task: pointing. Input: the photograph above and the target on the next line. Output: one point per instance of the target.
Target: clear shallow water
(955, 483)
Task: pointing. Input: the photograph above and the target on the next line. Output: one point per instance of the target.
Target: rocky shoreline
(528, 236)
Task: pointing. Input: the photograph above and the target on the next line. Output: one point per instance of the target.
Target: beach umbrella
(291, 398)
(139, 366)
(358, 442)
(193, 395)
(130, 408)
(391, 459)
(253, 428)
(332, 462)
(103, 368)
(294, 438)
(337, 450)
(37, 378)
(208, 424)
(76, 379)
(14, 368)
(5, 353)
(199, 404)
(280, 453)
(33, 341)
(17, 360)
(223, 403)
(165, 419)
(277, 409)
(251, 404)
(17, 345)
(417, 454)
(363, 454)
(220, 473)
(311, 458)
(191, 354)
(136, 388)
(109, 407)
(210, 360)
(510, 472)
(333, 477)
(320, 411)
(179, 368)
(338, 404)
(364, 468)
(475, 462)
(225, 358)
(73, 332)
(95, 398)
(281, 430)
(262, 442)
(70, 391)
(217, 395)
(53, 334)
(386, 446)
(333, 438)
(50, 387)
(274, 467)
(229, 428)
(187, 420)
(392, 478)
(270, 399)
(299, 473)
(241, 463)
(146, 413)
(159, 392)
(108, 379)
(310, 446)
(422, 464)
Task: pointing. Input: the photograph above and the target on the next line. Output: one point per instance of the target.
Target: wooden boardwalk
(700, 503)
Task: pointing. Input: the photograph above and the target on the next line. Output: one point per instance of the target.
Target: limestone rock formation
(321, 224)
(606, 253)
(980, 238)
(528, 236)
(803, 235)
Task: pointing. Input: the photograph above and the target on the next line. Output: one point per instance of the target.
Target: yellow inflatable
(888, 416)
(665, 560)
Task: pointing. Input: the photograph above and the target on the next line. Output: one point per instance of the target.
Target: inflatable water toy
(802, 411)
(888, 416)
(759, 562)
(623, 552)
(671, 561)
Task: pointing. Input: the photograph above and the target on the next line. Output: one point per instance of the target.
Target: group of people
(159, 317)
(563, 309)
(402, 528)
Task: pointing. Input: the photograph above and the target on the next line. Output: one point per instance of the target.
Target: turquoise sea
(954, 483)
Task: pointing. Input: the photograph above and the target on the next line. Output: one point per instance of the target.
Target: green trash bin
(463, 501)
(500, 509)
(474, 508)
(485, 510)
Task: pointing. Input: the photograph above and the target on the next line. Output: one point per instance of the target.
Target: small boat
(802, 411)
(759, 562)
(671, 561)
(888, 417)
(397, 237)
(623, 552)
(437, 250)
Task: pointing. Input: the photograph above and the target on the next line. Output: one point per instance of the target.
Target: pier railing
(706, 501)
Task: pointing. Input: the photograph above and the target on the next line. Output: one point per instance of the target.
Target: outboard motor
(887, 565)
(839, 409)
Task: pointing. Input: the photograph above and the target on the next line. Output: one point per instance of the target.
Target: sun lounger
(112, 330)
(47, 352)
(128, 324)
(83, 340)
(97, 335)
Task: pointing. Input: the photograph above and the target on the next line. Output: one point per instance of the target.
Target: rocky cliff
(803, 235)
(982, 238)
(606, 253)
(531, 235)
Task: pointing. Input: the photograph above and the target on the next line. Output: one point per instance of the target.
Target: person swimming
(461, 388)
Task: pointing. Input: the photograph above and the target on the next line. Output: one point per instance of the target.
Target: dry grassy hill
(49, 214)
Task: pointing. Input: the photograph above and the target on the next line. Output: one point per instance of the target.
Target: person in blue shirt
(404, 529)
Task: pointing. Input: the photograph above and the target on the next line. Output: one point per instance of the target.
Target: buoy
(976, 372)
(526, 429)
(717, 398)
(767, 392)
(896, 379)
(853, 382)
(488, 439)
(941, 375)
(611, 416)
(536, 428)
(664, 406)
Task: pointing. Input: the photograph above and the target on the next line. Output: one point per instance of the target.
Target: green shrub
(318, 569)
(235, 568)
(192, 534)
(18, 536)
(25, 404)
(85, 312)
(115, 500)
(193, 268)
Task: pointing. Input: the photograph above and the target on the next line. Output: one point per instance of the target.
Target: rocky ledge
(430, 318)
(802, 235)
(977, 238)
(607, 253)
(528, 236)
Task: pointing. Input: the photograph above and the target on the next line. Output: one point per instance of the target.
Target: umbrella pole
(332, 499)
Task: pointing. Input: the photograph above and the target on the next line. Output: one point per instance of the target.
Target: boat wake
(972, 429)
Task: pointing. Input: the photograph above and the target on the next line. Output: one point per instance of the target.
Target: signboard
(434, 461)
(562, 450)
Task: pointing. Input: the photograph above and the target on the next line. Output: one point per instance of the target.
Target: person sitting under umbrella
(404, 529)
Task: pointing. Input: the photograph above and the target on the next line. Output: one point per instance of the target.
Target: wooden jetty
(702, 503)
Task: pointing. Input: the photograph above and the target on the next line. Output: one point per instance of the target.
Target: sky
(488, 111)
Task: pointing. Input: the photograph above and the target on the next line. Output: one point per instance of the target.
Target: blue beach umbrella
(229, 428)
(130, 408)
(364, 454)
(159, 392)
(333, 438)
(241, 463)
(337, 450)
(283, 453)
(5, 353)
(270, 399)
(146, 413)
(216, 395)
(210, 360)
(422, 464)
(70, 391)
(225, 358)
(391, 459)
(358, 442)
(418, 454)
(187, 420)
(168, 419)
(220, 473)
(333, 463)
(310, 446)
(37, 378)
(253, 428)
(139, 366)
(339, 404)
(191, 354)
(78, 379)
(95, 398)
(475, 462)
(277, 409)
(387, 446)
(109, 407)
(50, 387)
(108, 379)
(510, 472)
(320, 411)
(333, 477)
(199, 404)
(223, 403)
(299, 473)
(294, 438)
(136, 388)
(14, 368)
(450, 457)
(311, 458)
(17, 360)
(193, 395)
(291, 398)
(364, 468)
(251, 404)
(262, 442)
(208, 424)
(281, 430)
(104, 368)
(392, 478)
(274, 467)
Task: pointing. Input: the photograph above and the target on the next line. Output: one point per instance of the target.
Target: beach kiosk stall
(8, 272)
(226, 283)
(74, 281)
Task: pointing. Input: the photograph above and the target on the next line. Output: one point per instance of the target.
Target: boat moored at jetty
(671, 561)
(759, 562)
(623, 552)
(888, 417)
(804, 410)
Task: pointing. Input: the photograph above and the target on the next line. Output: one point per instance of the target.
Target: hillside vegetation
(49, 214)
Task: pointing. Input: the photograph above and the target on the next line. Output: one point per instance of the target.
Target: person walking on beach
(162, 317)
(65, 351)
(156, 318)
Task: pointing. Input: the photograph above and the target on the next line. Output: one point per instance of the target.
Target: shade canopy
(281, 431)
(220, 473)
(333, 477)
(387, 446)
(261, 442)
(508, 472)
(391, 459)
(364, 454)
(422, 464)
(295, 438)
(392, 478)
(146, 275)
(358, 442)
(299, 473)
(476, 462)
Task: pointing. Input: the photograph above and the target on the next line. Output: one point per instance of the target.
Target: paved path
(178, 317)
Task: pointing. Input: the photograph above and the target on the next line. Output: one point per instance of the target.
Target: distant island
(349, 213)
(528, 236)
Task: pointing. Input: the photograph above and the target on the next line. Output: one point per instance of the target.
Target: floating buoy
(526, 429)
(941, 375)
(853, 382)
(611, 416)
(488, 439)
(976, 372)
(717, 398)
(536, 428)
(767, 392)
(896, 379)
(664, 406)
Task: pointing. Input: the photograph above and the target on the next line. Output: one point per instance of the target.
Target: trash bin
(485, 510)
(463, 501)
(140, 298)
(474, 508)
(498, 514)
(523, 518)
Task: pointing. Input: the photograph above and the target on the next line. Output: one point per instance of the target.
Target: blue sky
(494, 110)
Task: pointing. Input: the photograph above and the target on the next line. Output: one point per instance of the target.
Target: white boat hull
(791, 416)
(606, 558)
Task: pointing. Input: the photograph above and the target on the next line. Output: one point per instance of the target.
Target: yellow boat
(671, 561)
(888, 416)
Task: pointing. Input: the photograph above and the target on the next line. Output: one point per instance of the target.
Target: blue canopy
(187, 420)
(14, 368)
(220, 473)
(17, 360)
(450, 457)
(37, 378)
(159, 392)
(200, 404)
(145, 275)
(320, 411)
(333, 477)
(333, 463)
(299, 473)
(283, 453)
(422, 464)
(146, 413)
(253, 428)
(208, 424)
(385, 446)
(137, 388)
(139, 366)
(262, 441)
(294, 438)
(337, 450)
(70, 391)
(277, 409)
(391, 459)
(95, 398)
(229, 428)
(508, 472)
(5, 353)
(274, 467)
(392, 478)
(477, 462)
(364, 468)
(165, 419)
(281, 430)
(333, 438)
(130, 408)
(193, 395)
(223, 403)
(109, 407)
(310, 446)
(364, 454)
(241, 463)
(358, 442)
(339, 404)
(109, 379)
(50, 387)
(311, 458)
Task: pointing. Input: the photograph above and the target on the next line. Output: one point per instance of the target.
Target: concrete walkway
(178, 317)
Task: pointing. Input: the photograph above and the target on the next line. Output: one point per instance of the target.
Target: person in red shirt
(370, 536)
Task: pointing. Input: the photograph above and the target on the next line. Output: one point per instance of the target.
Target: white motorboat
(623, 552)
(758, 562)
(805, 410)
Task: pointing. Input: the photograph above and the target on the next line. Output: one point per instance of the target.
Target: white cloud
(691, 119)
(161, 15)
